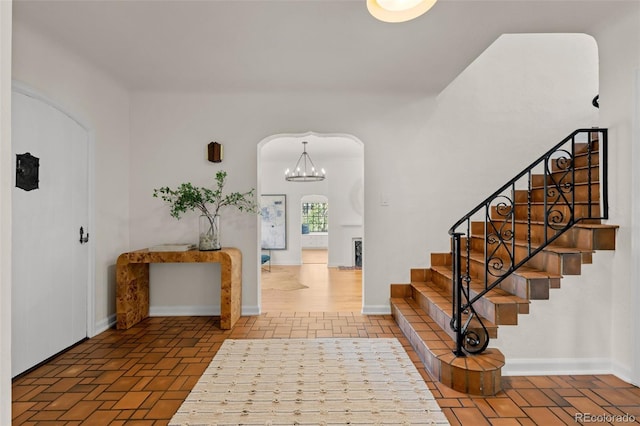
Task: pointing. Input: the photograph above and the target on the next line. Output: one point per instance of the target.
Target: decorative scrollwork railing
(565, 186)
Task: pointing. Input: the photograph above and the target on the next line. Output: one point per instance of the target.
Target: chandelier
(398, 10)
(305, 170)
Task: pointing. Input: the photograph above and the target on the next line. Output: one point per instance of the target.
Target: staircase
(512, 248)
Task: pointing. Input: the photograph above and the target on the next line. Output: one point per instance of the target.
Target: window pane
(315, 216)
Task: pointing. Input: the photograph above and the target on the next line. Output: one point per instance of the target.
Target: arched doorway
(343, 158)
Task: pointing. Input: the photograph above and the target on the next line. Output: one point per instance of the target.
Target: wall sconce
(215, 152)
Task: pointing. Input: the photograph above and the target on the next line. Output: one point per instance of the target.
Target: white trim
(250, 310)
(26, 90)
(105, 324)
(184, 311)
(556, 366)
(5, 210)
(635, 233)
(622, 372)
(376, 309)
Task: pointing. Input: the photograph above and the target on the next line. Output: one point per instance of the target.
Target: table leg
(132, 293)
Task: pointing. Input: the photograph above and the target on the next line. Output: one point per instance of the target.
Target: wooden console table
(132, 282)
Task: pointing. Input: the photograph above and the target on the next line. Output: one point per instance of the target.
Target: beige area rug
(279, 279)
(310, 382)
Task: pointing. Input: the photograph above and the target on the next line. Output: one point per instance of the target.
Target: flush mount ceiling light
(305, 170)
(398, 10)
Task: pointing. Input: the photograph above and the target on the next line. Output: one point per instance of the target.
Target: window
(315, 215)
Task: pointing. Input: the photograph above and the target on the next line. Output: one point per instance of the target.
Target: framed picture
(273, 209)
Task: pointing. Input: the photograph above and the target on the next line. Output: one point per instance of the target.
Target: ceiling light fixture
(398, 10)
(305, 170)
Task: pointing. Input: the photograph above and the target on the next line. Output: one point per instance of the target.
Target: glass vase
(209, 233)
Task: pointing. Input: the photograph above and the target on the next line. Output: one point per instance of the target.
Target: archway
(343, 158)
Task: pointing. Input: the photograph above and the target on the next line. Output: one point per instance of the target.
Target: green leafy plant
(187, 197)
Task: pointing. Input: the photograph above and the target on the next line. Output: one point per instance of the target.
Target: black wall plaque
(27, 167)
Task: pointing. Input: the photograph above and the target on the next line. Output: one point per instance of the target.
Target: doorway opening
(315, 268)
(314, 238)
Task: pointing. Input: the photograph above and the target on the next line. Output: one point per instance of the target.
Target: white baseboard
(560, 366)
(184, 311)
(250, 310)
(196, 311)
(623, 372)
(104, 325)
(376, 309)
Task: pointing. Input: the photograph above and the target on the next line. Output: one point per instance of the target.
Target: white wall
(103, 105)
(619, 44)
(170, 132)
(5, 211)
(346, 209)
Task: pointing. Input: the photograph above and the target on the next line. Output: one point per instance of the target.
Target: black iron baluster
(512, 235)
(487, 221)
(529, 213)
(457, 298)
(468, 256)
(604, 184)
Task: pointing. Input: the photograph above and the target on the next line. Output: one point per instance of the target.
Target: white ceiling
(320, 148)
(280, 45)
(293, 45)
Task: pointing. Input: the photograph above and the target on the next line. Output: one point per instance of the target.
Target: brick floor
(141, 376)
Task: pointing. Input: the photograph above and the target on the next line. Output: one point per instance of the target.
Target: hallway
(311, 287)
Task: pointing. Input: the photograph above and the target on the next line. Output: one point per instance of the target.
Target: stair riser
(531, 289)
(576, 237)
(560, 178)
(580, 194)
(440, 259)
(554, 263)
(582, 147)
(500, 314)
(421, 274)
(580, 160)
(558, 213)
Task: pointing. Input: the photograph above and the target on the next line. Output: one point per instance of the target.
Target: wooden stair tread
(596, 226)
(488, 360)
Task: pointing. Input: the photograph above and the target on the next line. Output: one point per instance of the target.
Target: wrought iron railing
(565, 186)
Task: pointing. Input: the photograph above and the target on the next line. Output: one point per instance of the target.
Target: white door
(50, 265)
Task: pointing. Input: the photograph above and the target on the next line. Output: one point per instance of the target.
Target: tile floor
(141, 376)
